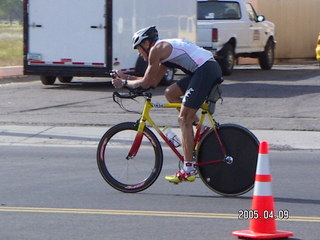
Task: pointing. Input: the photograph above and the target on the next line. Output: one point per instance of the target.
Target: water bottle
(172, 137)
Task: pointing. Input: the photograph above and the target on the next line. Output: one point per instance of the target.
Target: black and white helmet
(150, 33)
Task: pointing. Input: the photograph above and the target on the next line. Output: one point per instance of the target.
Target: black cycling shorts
(197, 87)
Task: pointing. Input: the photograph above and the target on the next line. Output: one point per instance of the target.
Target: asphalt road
(58, 193)
(286, 98)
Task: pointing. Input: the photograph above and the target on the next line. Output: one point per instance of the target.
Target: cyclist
(203, 72)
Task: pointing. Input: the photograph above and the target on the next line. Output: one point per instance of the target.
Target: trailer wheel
(65, 79)
(47, 80)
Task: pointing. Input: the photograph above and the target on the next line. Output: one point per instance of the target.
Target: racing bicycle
(130, 156)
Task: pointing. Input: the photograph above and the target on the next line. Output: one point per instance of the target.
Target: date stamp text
(244, 214)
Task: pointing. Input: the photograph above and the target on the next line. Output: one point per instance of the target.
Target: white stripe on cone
(262, 189)
(263, 167)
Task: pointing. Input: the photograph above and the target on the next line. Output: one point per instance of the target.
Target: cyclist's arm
(123, 79)
(125, 76)
(155, 70)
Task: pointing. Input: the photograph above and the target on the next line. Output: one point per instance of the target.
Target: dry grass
(10, 44)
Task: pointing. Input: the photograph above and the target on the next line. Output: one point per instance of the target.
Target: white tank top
(185, 55)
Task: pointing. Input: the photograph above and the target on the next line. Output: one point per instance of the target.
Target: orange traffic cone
(262, 219)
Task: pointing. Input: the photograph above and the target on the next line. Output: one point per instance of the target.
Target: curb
(12, 71)
(90, 136)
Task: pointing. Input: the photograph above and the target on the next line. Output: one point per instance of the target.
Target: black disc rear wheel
(233, 178)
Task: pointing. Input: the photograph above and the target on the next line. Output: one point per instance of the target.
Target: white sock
(188, 167)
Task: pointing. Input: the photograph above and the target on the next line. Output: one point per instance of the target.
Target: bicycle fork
(137, 140)
(135, 146)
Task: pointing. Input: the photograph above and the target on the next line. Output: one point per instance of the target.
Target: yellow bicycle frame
(145, 117)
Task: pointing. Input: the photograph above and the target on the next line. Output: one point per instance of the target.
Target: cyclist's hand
(120, 74)
(117, 82)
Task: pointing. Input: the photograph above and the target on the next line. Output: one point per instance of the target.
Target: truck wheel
(226, 59)
(65, 79)
(168, 77)
(47, 80)
(266, 58)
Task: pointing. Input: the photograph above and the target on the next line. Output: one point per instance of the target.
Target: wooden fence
(297, 25)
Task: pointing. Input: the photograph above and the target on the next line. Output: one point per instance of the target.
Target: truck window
(251, 12)
(218, 10)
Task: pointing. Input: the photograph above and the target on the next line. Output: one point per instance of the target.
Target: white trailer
(67, 38)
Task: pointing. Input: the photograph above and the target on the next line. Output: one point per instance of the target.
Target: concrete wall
(297, 25)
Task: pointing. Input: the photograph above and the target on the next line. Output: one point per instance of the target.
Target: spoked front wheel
(234, 173)
(124, 172)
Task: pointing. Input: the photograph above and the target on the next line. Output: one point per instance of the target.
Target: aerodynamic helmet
(150, 33)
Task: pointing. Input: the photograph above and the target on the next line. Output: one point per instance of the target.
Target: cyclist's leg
(175, 91)
(198, 89)
(186, 119)
(201, 84)
(195, 88)
(174, 94)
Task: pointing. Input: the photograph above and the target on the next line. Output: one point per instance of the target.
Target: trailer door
(67, 32)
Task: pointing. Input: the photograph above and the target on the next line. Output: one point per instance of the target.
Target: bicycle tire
(129, 175)
(226, 179)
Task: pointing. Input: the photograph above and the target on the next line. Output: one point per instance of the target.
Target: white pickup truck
(232, 29)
